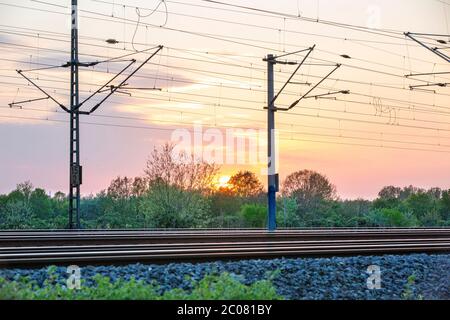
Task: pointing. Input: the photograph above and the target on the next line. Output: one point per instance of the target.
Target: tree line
(178, 191)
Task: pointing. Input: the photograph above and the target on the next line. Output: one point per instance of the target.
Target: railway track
(36, 248)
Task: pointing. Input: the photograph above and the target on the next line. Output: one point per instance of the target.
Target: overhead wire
(316, 116)
(214, 125)
(130, 21)
(271, 28)
(171, 129)
(410, 105)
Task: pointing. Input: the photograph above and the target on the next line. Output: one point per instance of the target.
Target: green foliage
(227, 221)
(16, 215)
(227, 203)
(287, 213)
(421, 203)
(245, 184)
(27, 208)
(211, 287)
(444, 205)
(254, 215)
(408, 292)
(176, 195)
(224, 211)
(167, 206)
(309, 187)
(225, 287)
(390, 218)
(40, 203)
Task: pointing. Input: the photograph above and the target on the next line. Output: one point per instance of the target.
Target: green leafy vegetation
(408, 292)
(176, 192)
(211, 287)
(255, 215)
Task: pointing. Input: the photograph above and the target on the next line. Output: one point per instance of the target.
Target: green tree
(387, 217)
(308, 186)
(287, 213)
(21, 193)
(171, 207)
(421, 203)
(120, 188)
(41, 204)
(388, 197)
(178, 189)
(121, 202)
(245, 184)
(254, 215)
(243, 187)
(314, 195)
(444, 205)
(17, 215)
(224, 211)
(167, 167)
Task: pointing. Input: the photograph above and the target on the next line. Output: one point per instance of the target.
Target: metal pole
(271, 182)
(75, 168)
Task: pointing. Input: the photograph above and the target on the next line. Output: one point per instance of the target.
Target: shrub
(390, 218)
(16, 215)
(211, 287)
(170, 207)
(255, 215)
(287, 213)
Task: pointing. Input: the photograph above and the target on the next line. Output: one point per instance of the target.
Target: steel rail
(157, 232)
(27, 238)
(38, 248)
(82, 248)
(164, 256)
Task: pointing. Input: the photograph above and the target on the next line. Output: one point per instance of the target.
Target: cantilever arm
(42, 90)
(106, 84)
(18, 103)
(328, 94)
(315, 86)
(439, 84)
(124, 80)
(434, 50)
(292, 75)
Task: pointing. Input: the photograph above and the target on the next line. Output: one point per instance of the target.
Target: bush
(224, 210)
(390, 218)
(421, 203)
(287, 213)
(170, 207)
(16, 215)
(184, 201)
(227, 221)
(211, 287)
(254, 215)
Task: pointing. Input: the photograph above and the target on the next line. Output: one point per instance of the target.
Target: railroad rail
(36, 248)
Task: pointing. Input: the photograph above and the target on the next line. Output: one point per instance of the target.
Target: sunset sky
(211, 72)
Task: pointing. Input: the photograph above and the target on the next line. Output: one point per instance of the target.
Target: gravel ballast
(294, 278)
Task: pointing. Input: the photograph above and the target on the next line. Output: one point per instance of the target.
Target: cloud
(5, 38)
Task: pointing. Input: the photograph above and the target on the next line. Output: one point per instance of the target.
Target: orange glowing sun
(222, 182)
